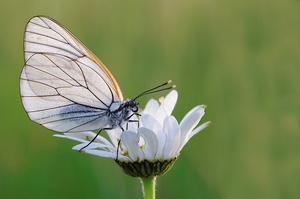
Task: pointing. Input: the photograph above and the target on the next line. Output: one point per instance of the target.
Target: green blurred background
(241, 58)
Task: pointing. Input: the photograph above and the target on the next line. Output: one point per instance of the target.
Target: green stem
(148, 187)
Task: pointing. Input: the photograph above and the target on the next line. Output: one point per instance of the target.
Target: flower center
(146, 168)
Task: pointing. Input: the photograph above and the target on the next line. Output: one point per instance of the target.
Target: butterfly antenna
(157, 89)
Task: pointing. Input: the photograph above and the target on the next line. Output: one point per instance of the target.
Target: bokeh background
(240, 58)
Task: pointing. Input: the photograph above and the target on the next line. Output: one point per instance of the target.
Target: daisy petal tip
(203, 106)
(204, 125)
(173, 93)
(57, 135)
(78, 147)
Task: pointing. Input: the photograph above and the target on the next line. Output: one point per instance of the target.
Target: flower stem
(148, 185)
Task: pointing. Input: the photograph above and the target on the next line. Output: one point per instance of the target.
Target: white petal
(107, 154)
(114, 135)
(161, 113)
(170, 102)
(130, 140)
(195, 131)
(151, 143)
(151, 107)
(171, 128)
(75, 138)
(166, 107)
(191, 119)
(86, 137)
(200, 108)
(150, 122)
(161, 137)
(198, 129)
(69, 137)
(132, 124)
(93, 145)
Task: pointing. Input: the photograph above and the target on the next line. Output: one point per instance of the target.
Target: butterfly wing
(64, 86)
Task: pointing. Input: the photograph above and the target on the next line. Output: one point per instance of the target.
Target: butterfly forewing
(45, 35)
(63, 85)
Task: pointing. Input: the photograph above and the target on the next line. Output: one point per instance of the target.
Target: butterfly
(65, 87)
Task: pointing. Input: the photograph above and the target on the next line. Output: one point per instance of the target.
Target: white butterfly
(65, 87)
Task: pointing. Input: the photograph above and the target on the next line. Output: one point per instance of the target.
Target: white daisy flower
(149, 146)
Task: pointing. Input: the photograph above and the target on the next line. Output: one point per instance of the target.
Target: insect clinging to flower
(65, 87)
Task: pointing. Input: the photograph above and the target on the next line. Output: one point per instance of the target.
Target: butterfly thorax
(120, 112)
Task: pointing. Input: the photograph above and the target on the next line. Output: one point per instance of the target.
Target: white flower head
(151, 143)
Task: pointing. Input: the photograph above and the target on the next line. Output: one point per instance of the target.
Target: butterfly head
(133, 105)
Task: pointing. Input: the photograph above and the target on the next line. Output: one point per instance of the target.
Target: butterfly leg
(119, 142)
(94, 138)
(129, 120)
(118, 149)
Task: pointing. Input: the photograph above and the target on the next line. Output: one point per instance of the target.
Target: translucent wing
(45, 35)
(64, 86)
